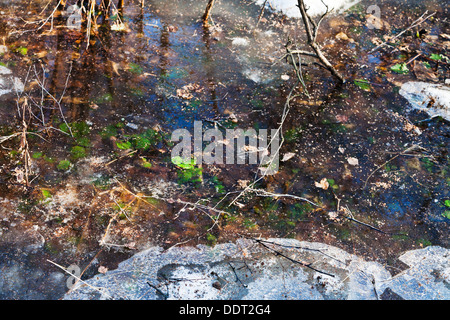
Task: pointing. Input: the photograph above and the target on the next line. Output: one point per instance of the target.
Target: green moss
(64, 165)
(58, 219)
(80, 132)
(145, 163)
(13, 153)
(192, 175)
(78, 152)
(292, 135)
(194, 104)
(427, 164)
(22, 50)
(299, 211)
(217, 185)
(400, 237)
(37, 155)
(48, 159)
(49, 247)
(141, 141)
(109, 131)
(107, 97)
(257, 103)
(153, 201)
(248, 224)
(390, 167)
(211, 239)
(102, 182)
(135, 68)
(424, 242)
(344, 234)
(74, 240)
(26, 206)
(46, 194)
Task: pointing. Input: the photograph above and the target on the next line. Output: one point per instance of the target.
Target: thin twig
(261, 13)
(99, 289)
(405, 152)
(416, 23)
(304, 264)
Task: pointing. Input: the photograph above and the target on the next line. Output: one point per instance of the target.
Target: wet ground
(101, 182)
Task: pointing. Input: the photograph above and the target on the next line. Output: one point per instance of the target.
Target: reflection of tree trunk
(209, 7)
(60, 60)
(61, 4)
(108, 65)
(164, 45)
(209, 59)
(82, 76)
(140, 21)
(106, 6)
(120, 6)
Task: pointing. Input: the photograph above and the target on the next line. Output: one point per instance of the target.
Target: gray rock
(427, 278)
(248, 270)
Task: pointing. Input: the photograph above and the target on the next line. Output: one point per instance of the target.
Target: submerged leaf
(352, 161)
(125, 145)
(400, 68)
(437, 57)
(362, 84)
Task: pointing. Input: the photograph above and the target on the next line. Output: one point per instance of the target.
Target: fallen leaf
(115, 67)
(323, 184)
(400, 68)
(243, 183)
(353, 161)
(288, 156)
(333, 215)
(102, 269)
(341, 36)
(41, 54)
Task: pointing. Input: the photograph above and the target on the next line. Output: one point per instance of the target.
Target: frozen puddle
(316, 7)
(432, 98)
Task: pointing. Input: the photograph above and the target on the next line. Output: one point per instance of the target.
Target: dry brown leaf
(243, 183)
(323, 184)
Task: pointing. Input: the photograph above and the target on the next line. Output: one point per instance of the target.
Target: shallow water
(123, 89)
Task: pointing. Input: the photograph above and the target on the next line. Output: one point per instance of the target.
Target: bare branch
(311, 35)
